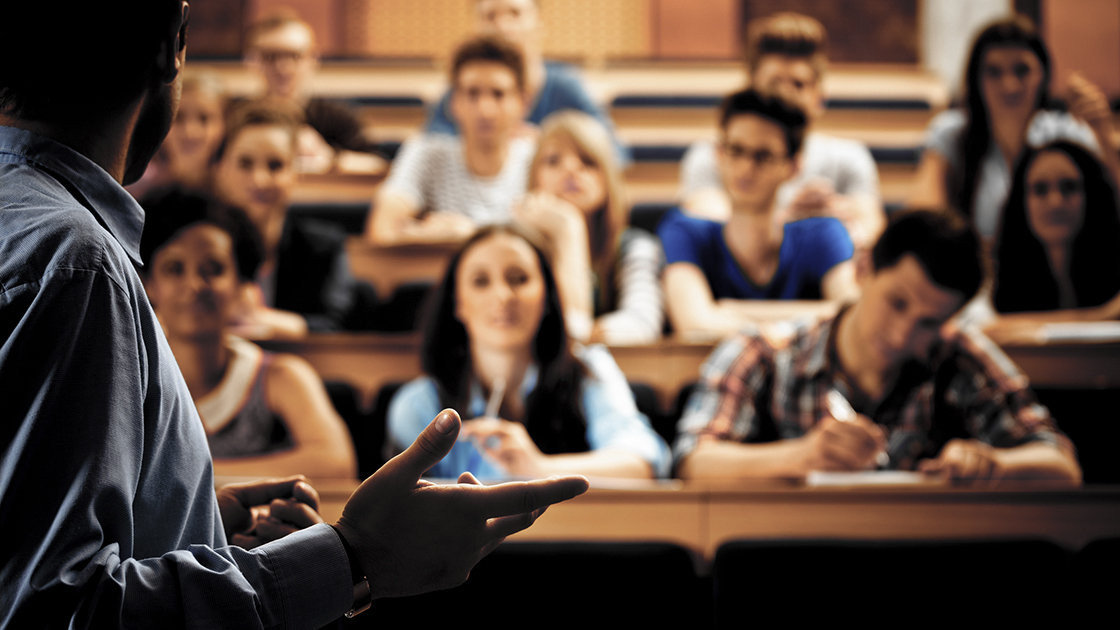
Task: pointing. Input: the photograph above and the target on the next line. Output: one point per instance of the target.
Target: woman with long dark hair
(495, 349)
(1058, 249)
(969, 153)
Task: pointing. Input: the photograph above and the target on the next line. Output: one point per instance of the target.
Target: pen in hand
(842, 410)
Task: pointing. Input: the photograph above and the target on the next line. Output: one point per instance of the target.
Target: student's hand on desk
(964, 460)
(508, 444)
(413, 536)
(261, 511)
(835, 445)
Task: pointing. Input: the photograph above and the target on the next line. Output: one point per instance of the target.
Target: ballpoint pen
(842, 410)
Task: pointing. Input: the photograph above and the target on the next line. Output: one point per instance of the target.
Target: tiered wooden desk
(701, 517)
(368, 361)
(392, 100)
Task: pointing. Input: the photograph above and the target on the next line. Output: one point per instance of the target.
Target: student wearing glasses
(712, 267)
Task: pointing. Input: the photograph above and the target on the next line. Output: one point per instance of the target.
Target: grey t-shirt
(846, 164)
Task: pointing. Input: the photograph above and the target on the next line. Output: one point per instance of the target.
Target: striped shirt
(771, 382)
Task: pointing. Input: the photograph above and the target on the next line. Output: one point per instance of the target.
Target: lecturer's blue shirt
(107, 502)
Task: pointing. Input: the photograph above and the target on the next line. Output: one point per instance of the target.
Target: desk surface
(701, 517)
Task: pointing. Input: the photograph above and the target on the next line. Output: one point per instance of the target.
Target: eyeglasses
(275, 57)
(1067, 187)
(760, 157)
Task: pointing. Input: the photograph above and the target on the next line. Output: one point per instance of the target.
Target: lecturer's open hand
(413, 536)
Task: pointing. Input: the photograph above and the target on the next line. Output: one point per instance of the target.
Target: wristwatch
(363, 596)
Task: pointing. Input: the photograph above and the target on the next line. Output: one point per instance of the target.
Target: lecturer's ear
(173, 47)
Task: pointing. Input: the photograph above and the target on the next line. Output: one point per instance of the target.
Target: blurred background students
(442, 187)
(549, 86)
(713, 268)
(970, 153)
(185, 156)
(787, 53)
(264, 413)
(1057, 255)
(608, 274)
(304, 282)
(281, 48)
(495, 348)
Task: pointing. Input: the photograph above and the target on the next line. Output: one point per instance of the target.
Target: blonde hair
(786, 33)
(592, 141)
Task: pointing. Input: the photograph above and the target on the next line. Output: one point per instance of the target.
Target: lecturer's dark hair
(554, 411)
(64, 58)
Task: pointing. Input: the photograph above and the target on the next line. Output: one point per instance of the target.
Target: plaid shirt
(771, 382)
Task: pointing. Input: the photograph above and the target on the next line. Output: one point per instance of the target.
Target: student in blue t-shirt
(713, 266)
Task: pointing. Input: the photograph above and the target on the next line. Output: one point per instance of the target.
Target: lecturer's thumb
(432, 445)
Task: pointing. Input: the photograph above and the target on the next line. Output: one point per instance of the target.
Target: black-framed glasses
(760, 157)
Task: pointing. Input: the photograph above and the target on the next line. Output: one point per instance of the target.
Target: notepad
(818, 478)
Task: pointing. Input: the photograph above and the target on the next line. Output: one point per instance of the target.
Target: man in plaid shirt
(946, 403)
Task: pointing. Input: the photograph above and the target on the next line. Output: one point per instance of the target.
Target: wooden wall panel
(1083, 35)
(686, 29)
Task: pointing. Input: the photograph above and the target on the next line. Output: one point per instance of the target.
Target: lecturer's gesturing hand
(413, 536)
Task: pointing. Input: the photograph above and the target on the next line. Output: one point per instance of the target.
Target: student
(955, 407)
(786, 53)
(549, 86)
(185, 155)
(1057, 257)
(281, 49)
(442, 187)
(712, 267)
(264, 413)
(108, 507)
(496, 326)
(969, 153)
(304, 283)
(608, 274)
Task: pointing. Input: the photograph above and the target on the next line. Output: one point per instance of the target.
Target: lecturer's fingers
(524, 497)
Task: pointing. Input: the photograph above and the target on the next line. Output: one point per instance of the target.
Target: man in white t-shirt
(442, 187)
(785, 53)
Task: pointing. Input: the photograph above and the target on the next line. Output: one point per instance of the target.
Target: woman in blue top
(496, 333)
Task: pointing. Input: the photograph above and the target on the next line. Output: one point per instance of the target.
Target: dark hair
(268, 112)
(1024, 279)
(170, 211)
(788, 34)
(783, 113)
(943, 241)
(553, 413)
(60, 61)
(976, 139)
(489, 48)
